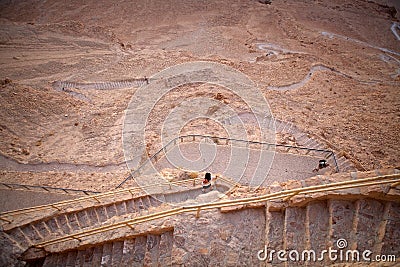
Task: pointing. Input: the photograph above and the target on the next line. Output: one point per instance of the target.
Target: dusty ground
(354, 104)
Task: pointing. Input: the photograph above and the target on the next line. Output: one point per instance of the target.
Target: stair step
(319, 146)
(106, 257)
(291, 130)
(280, 125)
(87, 257)
(92, 216)
(344, 163)
(83, 219)
(31, 233)
(318, 226)
(255, 232)
(42, 229)
(73, 221)
(326, 155)
(341, 220)
(146, 202)
(127, 252)
(152, 250)
(341, 160)
(312, 143)
(347, 169)
(80, 258)
(111, 211)
(274, 232)
(102, 214)
(139, 206)
(52, 224)
(62, 259)
(97, 256)
(121, 208)
(295, 230)
(154, 202)
(346, 166)
(51, 260)
(165, 249)
(117, 253)
(63, 223)
(392, 233)
(139, 251)
(370, 213)
(71, 258)
(19, 237)
(302, 139)
(130, 206)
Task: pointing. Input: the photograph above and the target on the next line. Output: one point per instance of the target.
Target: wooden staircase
(366, 217)
(146, 250)
(303, 139)
(65, 223)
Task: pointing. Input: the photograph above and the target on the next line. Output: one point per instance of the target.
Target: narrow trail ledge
(10, 164)
(318, 68)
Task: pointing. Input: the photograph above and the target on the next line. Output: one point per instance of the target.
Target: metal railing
(47, 189)
(224, 141)
(97, 195)
(285, 195)
(134, 191)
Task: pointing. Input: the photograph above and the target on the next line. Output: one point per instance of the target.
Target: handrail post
(130, 191)
(130, 226)
(283, 194)
(96, 199)
(395, 184)
(290, 196)
(198, 212)
(334, 160)
(54, 206)
(1, 218)
(45, 189)
(74, 237)
(6, 185)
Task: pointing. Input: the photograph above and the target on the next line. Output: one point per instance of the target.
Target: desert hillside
(332, 68)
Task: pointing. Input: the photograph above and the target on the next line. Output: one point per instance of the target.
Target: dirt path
(349, 39)
(13, 165)
(395, 28)
(246, 166)
(18, 199)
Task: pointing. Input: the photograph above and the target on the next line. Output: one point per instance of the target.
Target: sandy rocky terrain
(330, 67)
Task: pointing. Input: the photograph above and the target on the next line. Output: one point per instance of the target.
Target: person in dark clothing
(207, 181)
(322, 164)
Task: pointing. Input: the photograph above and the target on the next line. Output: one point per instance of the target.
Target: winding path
(62, 85)
(394, 28)
(276, 49)
(392, 60)
(313, 69)
(67, 86)
(318, 68)
(334, 35)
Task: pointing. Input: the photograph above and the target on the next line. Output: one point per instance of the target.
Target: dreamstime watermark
(341, 254)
